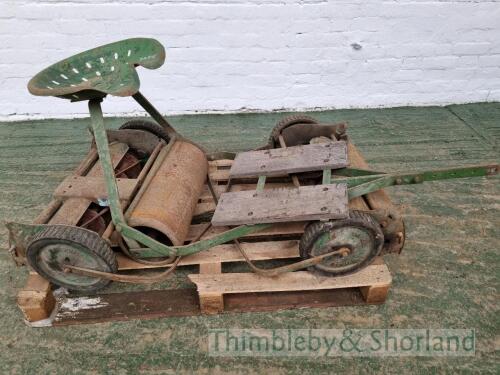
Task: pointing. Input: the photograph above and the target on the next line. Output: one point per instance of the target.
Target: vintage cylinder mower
(137, 189)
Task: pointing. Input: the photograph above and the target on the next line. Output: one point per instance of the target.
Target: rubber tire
(147, 126)
(287, 121)
(84, 237)
(315, 229)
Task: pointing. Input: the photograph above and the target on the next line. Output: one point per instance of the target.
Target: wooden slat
(282, 161)
(221, 163)
(219, 175)
(93, 188)
(117, 152)
(148, 304)
(282, 205)
(278, 229)
(373, 275)
(72, 209)
(227, 253)
(204, 207)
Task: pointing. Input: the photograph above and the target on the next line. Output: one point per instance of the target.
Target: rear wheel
(358, 238)
(147, 126)
(57, 246)
(286, 122)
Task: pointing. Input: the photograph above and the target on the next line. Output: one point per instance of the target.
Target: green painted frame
(153, 247)
(359, 182)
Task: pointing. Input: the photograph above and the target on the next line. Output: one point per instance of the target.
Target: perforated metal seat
(109, 69)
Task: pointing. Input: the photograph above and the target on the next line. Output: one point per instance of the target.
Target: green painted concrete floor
(447, 276)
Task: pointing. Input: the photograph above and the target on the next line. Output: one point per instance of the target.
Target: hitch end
(492, 170)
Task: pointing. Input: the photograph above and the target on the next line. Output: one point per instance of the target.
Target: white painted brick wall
(263, 54)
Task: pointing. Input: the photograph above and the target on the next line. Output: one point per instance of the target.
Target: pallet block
(36, 300)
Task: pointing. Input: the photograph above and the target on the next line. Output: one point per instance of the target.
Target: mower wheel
(59, 245)
(359, 239)
(147, 126)
(286, 122)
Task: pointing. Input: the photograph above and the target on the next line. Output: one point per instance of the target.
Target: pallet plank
(282, 161)
(277, 230)
(275, 301)
(373, 275)
(128, 305)
(154, 304)
(227, 253)
(282, 205)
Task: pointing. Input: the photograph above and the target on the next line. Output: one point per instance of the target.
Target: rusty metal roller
(168, 203)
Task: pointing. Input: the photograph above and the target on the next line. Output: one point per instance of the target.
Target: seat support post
(154, 113)
(101, 141)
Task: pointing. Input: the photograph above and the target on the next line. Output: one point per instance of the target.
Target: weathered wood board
(72, 209)
(93, 188)
(280, 205)
(373, 275)
(226, 253)
(154, 304)
(282, 161)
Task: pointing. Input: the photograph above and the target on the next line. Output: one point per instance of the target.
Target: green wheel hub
(58, 246)
(358, 239)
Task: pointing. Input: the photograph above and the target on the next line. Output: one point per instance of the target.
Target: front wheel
(58, 246)
(358, 240)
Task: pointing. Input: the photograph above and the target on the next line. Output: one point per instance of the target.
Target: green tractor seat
(109, 69)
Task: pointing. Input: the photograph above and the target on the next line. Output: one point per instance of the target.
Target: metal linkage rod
(361, 185)
(154, 113)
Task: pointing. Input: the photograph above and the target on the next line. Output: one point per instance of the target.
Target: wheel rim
(53, 255)
(356, 244)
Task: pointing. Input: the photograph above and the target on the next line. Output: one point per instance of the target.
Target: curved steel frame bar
(154, 248)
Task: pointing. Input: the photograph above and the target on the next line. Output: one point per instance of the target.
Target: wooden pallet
(217, 291)
(367, 287)
(213, 286)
